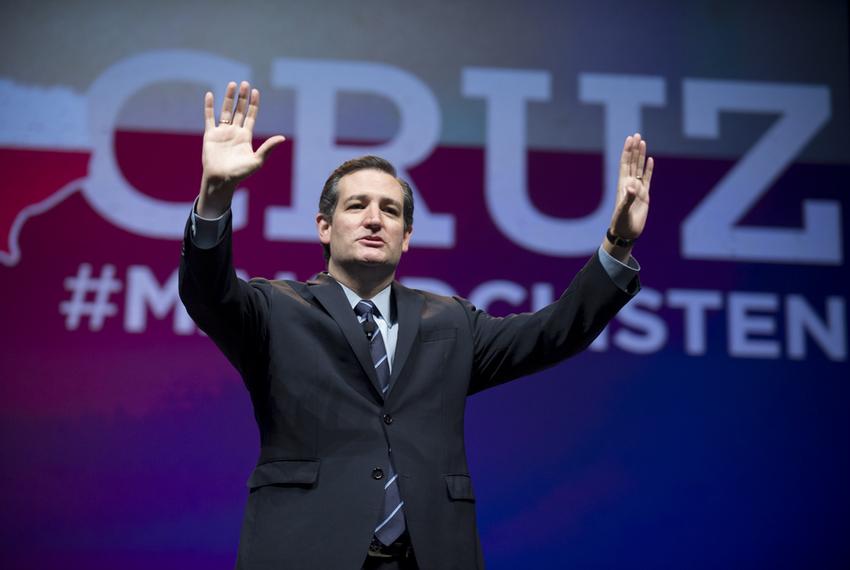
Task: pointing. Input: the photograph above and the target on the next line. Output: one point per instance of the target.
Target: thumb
(269, 145)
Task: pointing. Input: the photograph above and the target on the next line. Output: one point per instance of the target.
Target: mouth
(372, 240)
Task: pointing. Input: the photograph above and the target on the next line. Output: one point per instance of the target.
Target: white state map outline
(13, 256)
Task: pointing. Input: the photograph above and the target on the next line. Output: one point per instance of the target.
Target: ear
(405, 244)
(323, 227)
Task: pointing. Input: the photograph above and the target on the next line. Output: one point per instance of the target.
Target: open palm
(228, 154)
(632, 206)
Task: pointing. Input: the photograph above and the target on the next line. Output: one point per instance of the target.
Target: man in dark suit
(359, 383)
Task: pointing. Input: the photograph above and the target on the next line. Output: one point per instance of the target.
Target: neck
(365, 280)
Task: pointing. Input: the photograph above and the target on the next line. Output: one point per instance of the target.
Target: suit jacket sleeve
(517, 345)
(234, 313)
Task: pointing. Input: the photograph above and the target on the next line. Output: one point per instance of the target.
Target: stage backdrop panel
(706, 427)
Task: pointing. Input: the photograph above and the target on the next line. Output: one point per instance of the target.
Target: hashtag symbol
(81, 305)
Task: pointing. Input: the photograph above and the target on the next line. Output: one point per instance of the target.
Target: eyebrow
(366, 198)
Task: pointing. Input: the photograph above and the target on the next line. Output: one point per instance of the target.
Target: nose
(372, 217)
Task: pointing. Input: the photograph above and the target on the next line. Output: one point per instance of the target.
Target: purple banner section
(706, 427)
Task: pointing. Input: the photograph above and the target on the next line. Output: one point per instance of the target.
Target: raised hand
(228, 155)
(632, 206)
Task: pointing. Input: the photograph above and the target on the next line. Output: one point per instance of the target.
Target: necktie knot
(366, 309)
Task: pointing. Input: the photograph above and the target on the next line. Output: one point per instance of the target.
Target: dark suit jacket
(313, 500)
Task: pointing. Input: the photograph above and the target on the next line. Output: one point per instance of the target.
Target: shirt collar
(381, 300)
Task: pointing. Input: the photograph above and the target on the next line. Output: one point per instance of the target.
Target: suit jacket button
(388, 419)
(377, 473)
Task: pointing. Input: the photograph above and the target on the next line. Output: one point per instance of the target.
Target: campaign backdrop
(707, 427)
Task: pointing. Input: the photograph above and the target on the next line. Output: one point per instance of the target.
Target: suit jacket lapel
(408, 315)
(333, 299)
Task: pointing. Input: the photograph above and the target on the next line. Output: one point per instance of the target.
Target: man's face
(368, 223)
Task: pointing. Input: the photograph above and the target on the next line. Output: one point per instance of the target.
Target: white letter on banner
(317, 154)
(497, 290)
(742, 324)
(695, 303)
(653, 327)
(542, 295)
(143, 291)
(429, 284)
(709, 232)
(506, 179)
(623, 97)
(106, 189)
(830, 336)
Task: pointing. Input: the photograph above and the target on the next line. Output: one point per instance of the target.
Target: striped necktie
(391, 524)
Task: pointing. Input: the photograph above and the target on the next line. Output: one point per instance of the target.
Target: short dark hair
(330, 191)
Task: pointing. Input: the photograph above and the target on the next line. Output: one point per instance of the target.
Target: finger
(241, 103)
(227, 105)
(253, 109)
(641, 159)
(624, 158)
(209, 114)
(647, 176)
(633, 159)
(269, 145)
